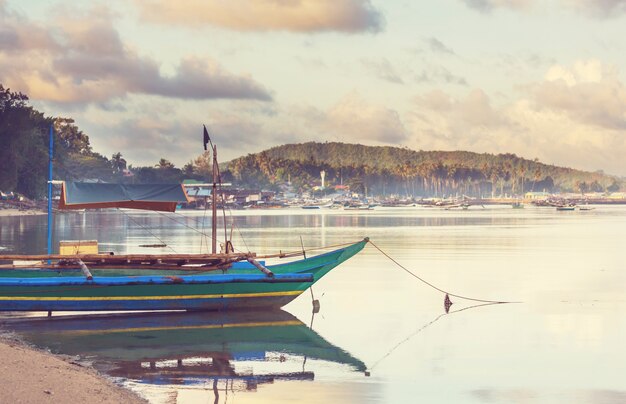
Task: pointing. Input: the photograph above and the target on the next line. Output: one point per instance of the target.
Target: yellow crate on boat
(73, 247)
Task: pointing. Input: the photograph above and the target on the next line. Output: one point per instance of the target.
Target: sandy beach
(33, 376)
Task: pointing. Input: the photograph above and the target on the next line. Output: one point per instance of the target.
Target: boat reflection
(188, 348)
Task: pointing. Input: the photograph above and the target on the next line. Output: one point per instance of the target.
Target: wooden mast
(214, 203)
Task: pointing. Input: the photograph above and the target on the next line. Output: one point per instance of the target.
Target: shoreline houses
(199, 194)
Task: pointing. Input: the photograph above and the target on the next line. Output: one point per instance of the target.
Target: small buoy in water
(367, 373)
(447, 303)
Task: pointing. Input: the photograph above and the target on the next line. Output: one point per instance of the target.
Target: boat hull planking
(239, 289)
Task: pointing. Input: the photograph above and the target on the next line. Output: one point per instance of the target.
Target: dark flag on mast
(206, 137)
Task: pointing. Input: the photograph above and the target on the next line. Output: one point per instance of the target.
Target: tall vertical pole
(50, 156)
(214, 204)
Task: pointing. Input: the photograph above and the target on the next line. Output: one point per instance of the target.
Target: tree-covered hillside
(385, 170)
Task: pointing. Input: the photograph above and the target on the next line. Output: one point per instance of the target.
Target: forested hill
(385, 169)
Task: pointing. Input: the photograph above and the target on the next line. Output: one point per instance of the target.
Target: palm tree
(164, 164)
(117, 162)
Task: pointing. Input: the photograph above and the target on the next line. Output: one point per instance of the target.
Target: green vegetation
(24, 139)
(372, 170)
(393, 170)
(24, 150)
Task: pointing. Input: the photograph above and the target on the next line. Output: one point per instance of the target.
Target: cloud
(439, 74)
(473, 111)
(267, 15)
(383, 70)
(487, 6)
(599, 8)
(355, 120)
(83, 59)
(593, 8)
(17, 33)
(588, 92)
(151, 130)
(575, 117)
(438, 47)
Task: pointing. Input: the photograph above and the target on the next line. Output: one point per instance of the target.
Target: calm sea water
(564, 343)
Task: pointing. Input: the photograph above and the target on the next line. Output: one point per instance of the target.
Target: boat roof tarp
(156, 197)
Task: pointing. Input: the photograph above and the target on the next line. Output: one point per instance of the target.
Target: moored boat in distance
(314, 205)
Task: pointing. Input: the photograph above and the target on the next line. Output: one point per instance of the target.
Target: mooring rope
(430, 284)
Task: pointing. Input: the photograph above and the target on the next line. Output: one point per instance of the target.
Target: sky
(542, 79)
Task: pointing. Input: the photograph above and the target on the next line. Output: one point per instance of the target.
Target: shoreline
(21, 212)
(32, 375)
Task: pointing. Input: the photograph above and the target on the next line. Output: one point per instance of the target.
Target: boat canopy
(157, 197)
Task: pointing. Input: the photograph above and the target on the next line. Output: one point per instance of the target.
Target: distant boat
(565, 208)
(358, 206)
(317, 205)
(464, 206)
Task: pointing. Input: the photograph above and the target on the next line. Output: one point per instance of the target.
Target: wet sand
(33, 376)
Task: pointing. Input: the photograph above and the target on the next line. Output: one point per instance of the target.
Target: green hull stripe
(215, 296)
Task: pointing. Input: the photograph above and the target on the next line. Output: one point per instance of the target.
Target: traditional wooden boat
(186, 348)
(216, 281)
(234, 287)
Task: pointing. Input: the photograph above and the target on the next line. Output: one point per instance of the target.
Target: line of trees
(24, 142)
(388, 170)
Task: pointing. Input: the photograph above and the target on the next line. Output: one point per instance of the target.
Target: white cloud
(355, 120)
(588, 92)
(267, 15)
(575, 117)
(83, 59)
